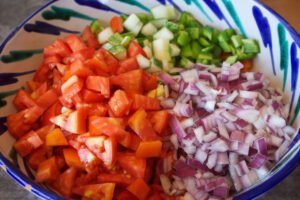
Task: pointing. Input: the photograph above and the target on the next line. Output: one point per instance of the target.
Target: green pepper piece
(207, 32)
(231, 59)
(96, 27)
(174, 27)
(126, 41)
(186, 51)
(194, 32)
(250, 46)
(144, 17)
(208, 49)
(196, 48)
(115, 39)
(237, 40)
(183, 38)
(185, 62)
(205, 56)
(204, 42)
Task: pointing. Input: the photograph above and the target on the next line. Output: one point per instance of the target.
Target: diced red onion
(191, 89)
(201, 155)
(249, 116)
(219, 145)
(233, 158)
(210, 136)
(190, 75)
(261, 145)
(183, 170)
(176, 127)
(257, 161)
(222, 130)
(212, 160)
(282, 150)
(223, 158)
(275, 140)
(199, 133)
(243, 149)
(183, 109)
(167, 103)
(187, 123)
(221, 192)
(237, 136)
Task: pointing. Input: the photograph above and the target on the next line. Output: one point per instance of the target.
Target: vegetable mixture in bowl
(153, 106)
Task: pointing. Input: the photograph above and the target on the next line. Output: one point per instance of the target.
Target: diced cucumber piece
(161, 49)
(186, 51)
(167, 65)
(164, 33)
(104, 35)
(194, 32)
(166, 12)
(96, 27)
(118, 51)
(126, 41)
(115, 39)
(144, 17)
(250, 46)
(143, 61)
(133, 24)
(174, 27)
(183, 38)
(148, 43)
(186, 63)
(107, 46)
(159, 22)
(175, 50)
(237, 40)
(148, 51)
(204, 42)
(149, 29)
(207, 32)
(141, 40)
(196, 48)
(231, 59)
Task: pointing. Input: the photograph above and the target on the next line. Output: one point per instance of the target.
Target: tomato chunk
(72, 158)
(66, 181)
(78, 68)
(75, 42)
(59, 47)
(133, 165)
(130, 81)
(149, 82)
(89, 38)
(47, 99)
(88, 158)
(47, 171)
(76, 122)
(36, 157)
(29, 142)
(98, 66)
(147, 103)
(103, 191)
(159, 121)
(23, 100)
(56, 138)
(149, 149)
(135, 49)
(116, 24)
(71, 87)
(53, 111)
(109, 59)
(137, 186)
(99, 84)
(119, 103)
(90, 96)
(128, 65)
(140, 124)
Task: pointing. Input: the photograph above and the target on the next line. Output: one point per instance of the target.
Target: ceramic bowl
(21, 53)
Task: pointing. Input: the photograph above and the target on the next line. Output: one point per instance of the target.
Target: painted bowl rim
(43, 193)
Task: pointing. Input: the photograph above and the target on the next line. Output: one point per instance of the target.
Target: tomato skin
(27, 143)
(75, 43)
(53, 111)
(103, 191)
(135, 49)
(77, 68)
(76, 122)
(22, 100)
(119, 103)
(137, 186)
(93, 109)
(125, 195)
(47, 171)
(65, 182)
(128, 65)
(149, 82)
(90, 96)
(99, 84)
(144, 102)
(47, 99)
(116, 24)
(72, 158)
(159, 121)
(109, 59)
(149, 149)
(130, 81)
(89, 38)
(37, 157)
(140, 124)
(59, 47)
(43, 131)
(133, 165)
(71, 87)
(98, 66)
(117, 178)
(82, 55)
(248, 64)
(56, 138)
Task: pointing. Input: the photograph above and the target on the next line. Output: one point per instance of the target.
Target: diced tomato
(53, 111)
(147, 103)
(20, 123)
(57, 81)
(118, 178)
(65, 181)
(36, 157)
(56, 138)
(104, 148)
(27, 143)
(71, 87)
(99, 84)
(149, 149)
(77, 68)
(103, 191)
(75, 42)
(60, 160)
(41, 73)
(99, 67)
(125, 195)
(82, 55)
(128, 65)
(72, 158)
(42, 132)
(66, 102)
(140, 124)
(94, 109)
(47, 99)
(88, 158)
(59, 47)
(149, 82)
(89, 38)
(130, 141)
(135, 49)
(52, 60)
(133, 165)
(116, 24)
(159, 121)
(130, 81)
(76, 122)
(40, 90)
(90, 96)
(119, 103)
(137, 186)
(47, 171)
(22, 100)
(32, 85)
(109, 59)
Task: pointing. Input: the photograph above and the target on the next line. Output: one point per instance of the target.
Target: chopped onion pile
(231, 126)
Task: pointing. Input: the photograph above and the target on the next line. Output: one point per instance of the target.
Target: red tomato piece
(41, 74)
(56, 138)
(78, 68)
(109, 59)
(40, 90)
(90, 96)
(140, 124)
(42, 132)
(116, 24)
(125, 195)
(149, 149)
(53, 111)
(76, 122)
(27, 143)
(52, 60)
(66, 181)
(104, 148)
(130, 81)
(22, 100)
(117, 178)
(130, 141)
(149, 82)
(36, 157)
(135, 49)
(147, 103)
(75, 42)
(82, 55)
(47, 99)
(99, 84)
(128, 65)
(47, 171)
(133, 165)
(119, 103)
(88, 158)
(93, 109)
(71, 87)
(99, 67)
(89, 38)
(137, 186)
(159, 121)
(72, 159)
(103, 191)
(59, 47)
